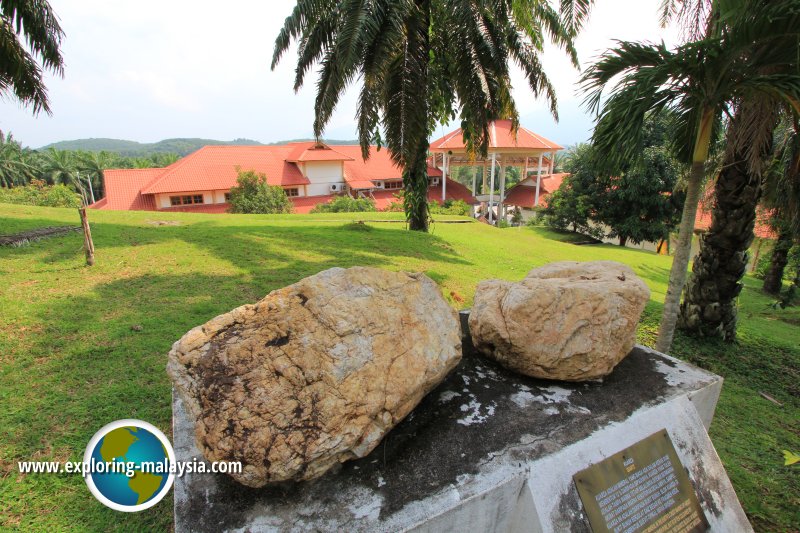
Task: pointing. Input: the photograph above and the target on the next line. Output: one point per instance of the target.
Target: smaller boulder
(566, 321)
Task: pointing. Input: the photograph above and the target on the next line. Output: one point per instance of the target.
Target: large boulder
(567, 321)
(315, 373)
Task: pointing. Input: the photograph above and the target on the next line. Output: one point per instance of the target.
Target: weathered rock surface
(315, 373)
(567, 321)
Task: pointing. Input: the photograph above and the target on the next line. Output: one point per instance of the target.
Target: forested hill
(180, 147)
(136, 149)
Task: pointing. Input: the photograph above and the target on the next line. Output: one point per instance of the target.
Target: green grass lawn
(70, 362)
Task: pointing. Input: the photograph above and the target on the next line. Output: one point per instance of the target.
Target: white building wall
(322, 174)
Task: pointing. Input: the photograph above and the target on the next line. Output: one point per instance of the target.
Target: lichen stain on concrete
(569, 515)
(706, 484)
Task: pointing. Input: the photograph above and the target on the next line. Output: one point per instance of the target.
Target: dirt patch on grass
(794, 321)
(164, 222)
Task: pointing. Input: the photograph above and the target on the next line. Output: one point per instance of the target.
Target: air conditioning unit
(336, 187)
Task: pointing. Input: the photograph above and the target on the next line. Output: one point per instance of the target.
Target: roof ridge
(543, 140)
(134, 169)
(173, 167)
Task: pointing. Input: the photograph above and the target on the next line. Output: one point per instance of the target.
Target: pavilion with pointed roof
(507, 148)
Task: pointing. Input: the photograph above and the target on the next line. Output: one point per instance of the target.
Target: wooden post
(88, 245)
(754, 266)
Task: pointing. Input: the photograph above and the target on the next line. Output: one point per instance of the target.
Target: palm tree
(782, 198)
(698, 81)
(19, 72)
(164, 159)
(16, 165)
(709, 307)
(92, 165)
(59, 166)
(424, 61)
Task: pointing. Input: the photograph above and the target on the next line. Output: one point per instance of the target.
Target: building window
(227, 197)
(292, 192)
(186, 200)
(393, 184)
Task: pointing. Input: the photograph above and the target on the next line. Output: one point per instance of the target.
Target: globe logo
(130, 464)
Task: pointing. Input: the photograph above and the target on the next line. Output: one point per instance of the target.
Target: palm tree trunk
(709, 307)
(680, 262)
(773, 281)
(415, 183)
(414, 144)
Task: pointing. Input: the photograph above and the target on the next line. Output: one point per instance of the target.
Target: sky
(147, 70)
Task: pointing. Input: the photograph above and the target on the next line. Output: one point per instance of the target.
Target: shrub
(792, 267)
(252, 194)
(345, 204)
(503, 223)
(396, 205)
(450, 207)
(39, 194)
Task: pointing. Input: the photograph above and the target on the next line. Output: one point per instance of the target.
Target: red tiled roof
(214, 168)
(99, 204)
(379, 166)
(552, 182)
(359, 184)
(311, 151)
(501, 136)
(455, 191)
(123, 189)
(383, 198)
(524, 194)
(434, 172)
(762, 230)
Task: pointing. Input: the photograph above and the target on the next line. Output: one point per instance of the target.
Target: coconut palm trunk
(773, 280)
(709, 307)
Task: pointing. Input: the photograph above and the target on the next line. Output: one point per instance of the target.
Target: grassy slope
(70, 363)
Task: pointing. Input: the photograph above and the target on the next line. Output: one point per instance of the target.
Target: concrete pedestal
(488, 450)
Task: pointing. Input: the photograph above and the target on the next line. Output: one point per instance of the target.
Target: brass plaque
(642, 489)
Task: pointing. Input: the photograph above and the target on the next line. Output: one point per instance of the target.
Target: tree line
(79, 170)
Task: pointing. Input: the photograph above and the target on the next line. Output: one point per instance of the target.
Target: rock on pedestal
(315, 373)
(488, 450)
(566, 321)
